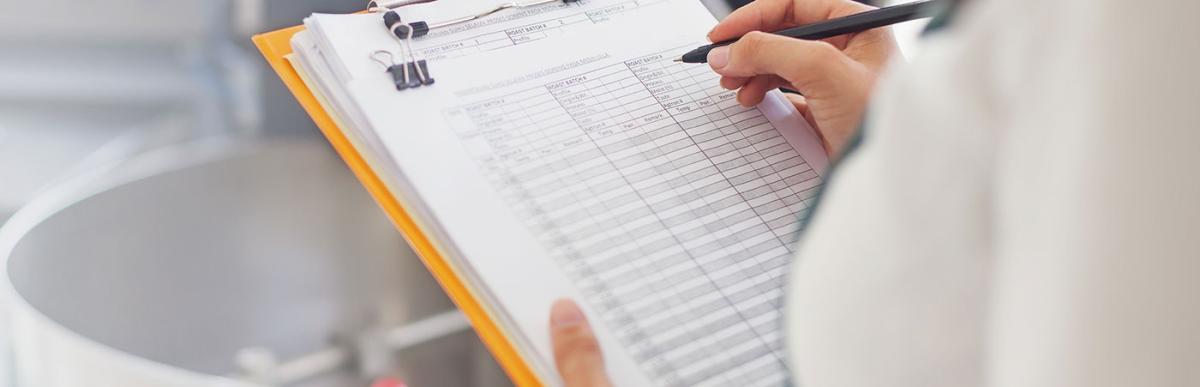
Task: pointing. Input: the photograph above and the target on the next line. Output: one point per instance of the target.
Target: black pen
(858, 22)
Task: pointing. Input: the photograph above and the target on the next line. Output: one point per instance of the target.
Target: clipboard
(275, 47)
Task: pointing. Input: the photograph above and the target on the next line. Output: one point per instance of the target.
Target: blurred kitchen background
(174, 218)
(99, 80)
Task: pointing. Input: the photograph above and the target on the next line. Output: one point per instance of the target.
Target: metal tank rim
(76, 190)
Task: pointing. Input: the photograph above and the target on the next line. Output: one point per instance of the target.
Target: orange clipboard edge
(275, 46)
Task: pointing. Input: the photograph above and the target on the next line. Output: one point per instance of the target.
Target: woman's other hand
(576, 351)
(835, 75)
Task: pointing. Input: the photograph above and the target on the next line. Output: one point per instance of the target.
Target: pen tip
(679, 59)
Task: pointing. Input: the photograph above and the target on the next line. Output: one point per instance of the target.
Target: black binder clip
(421, 28)
(415, 72)
(405, 75)
(401, 30)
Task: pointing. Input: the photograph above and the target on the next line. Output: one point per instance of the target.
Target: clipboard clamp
(414, 72)
(377, 5)
(421, 28)
(498, 8)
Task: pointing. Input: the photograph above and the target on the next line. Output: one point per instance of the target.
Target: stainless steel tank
(219, 264)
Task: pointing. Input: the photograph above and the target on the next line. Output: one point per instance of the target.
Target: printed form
(563, 154)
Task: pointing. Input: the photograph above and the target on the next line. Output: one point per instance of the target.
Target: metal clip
(421, 28)
(400, 73)
(383, 5)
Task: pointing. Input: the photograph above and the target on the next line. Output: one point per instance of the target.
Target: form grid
(671, 208)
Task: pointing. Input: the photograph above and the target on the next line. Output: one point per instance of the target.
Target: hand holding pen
(834, 75)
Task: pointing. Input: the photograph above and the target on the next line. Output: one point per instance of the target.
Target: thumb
(812, 67)
(576, 351)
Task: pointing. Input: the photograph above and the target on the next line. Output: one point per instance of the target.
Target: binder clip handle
(400, 74)
(423, 71)
(411, 76)
(408, 31)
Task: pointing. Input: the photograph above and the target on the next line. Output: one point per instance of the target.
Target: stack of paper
(562, 153)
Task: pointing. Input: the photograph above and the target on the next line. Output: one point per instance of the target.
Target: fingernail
(565, 313)
(718, 58)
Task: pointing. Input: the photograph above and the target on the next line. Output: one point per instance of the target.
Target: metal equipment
(221, 264)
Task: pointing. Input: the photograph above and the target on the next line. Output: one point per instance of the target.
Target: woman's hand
(835, 76)
(576, 351)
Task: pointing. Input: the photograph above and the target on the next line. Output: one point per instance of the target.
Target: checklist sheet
(587, 164)
(670, 206)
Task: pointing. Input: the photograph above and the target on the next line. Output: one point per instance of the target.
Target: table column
(597, 102)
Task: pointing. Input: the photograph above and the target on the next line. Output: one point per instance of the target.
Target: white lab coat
(1024, 210)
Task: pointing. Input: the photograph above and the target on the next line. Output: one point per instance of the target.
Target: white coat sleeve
(1097, 239)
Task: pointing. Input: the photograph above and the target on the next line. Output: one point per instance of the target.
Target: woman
(1021, 209)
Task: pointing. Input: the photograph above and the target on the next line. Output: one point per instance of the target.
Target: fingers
(753, 92)
(576, 351)
(799, 102)
(761, 15)
(732, 83)
(809, 66)
(753, 89)
(771, 15)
